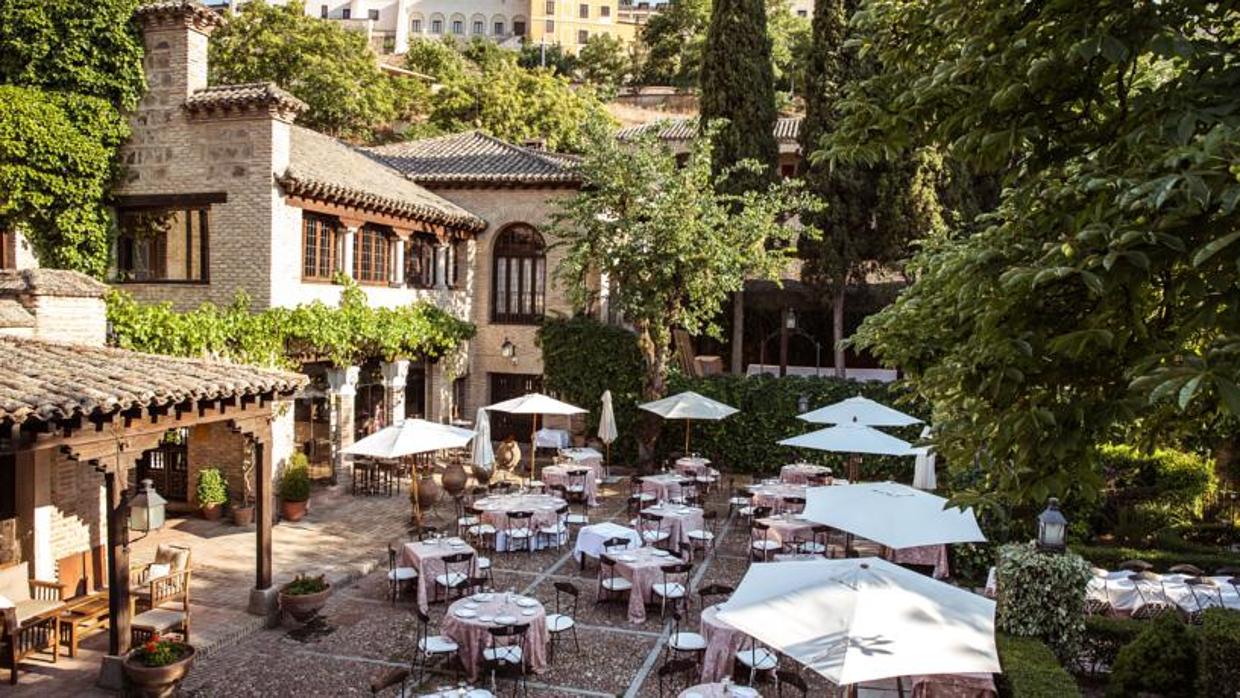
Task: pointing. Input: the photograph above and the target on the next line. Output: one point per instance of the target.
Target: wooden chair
(169, 560)
(169, 612)
(32, 623)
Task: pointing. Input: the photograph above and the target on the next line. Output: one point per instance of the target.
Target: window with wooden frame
(372, 254)
(8, 249)
(320, 244)
(450, 267)
(163, 245)
(420, 262)
(519, 281)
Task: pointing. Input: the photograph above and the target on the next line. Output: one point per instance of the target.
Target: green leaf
(1188, 391)
(1230, 393)
(1205, 252)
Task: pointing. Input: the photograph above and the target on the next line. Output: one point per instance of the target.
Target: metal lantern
(508, 350)
(803, 404)
(1052, 528)
(146, 509)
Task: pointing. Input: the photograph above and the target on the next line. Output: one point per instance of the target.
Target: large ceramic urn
(454, 479)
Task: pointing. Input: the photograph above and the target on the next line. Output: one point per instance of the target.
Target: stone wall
(215, 445)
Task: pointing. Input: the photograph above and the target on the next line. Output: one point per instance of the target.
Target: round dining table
(723, 641)
(495, 510)
(469, 620)
(772, 494)
(719, 690)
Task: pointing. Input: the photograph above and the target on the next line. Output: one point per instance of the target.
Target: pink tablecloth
(772, 495)
(560, 475)
(925, 555)
(693, 466)
(785, 531)
(800, 473)
(664, 487)
(954, 686)
(642, 567)
(473, 637)
(722, 643)
(427, 559)
(708, 690)
(496, 507)
(678, 521)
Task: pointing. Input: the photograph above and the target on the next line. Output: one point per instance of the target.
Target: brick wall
(215, 445)
(78, 507)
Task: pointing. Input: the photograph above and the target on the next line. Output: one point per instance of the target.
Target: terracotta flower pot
(483, 473)
(454, 479)
(428, 492)
(303, 607)
(211, 512)
(158, 681)
(292, 511)
(243, 516)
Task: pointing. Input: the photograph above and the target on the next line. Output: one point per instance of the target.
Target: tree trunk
(654, 385)
(738, 333)
(837, 329)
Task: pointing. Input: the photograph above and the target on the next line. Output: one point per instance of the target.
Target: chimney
(175, 35)
(535, 143)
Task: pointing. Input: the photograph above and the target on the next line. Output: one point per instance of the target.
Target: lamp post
(1052, 528)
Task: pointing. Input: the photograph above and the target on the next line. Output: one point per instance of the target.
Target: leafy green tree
(604, 63)
(738, 87)
(1104, 286)
(790, 43)
(672, 43)
(553, 57)
(671, 246)
(331, 69)
(438, 59)
(68, 72)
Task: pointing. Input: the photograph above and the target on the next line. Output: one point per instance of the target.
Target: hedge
(1147, 491)
(1162, 661)
(1030, 670)
(1105, 637)
(1109, 557)
(1219, 654)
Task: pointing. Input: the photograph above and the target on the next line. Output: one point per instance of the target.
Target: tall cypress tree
(738, 84)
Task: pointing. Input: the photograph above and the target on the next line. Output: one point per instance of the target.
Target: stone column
(342, 385)
(398, 264)
(441, 265)
(439, 389)
(395, 374)
(346, 254)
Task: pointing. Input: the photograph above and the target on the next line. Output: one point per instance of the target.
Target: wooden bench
(32, 624)
(83, 616)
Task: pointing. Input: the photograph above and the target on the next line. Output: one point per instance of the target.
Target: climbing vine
(344, 334)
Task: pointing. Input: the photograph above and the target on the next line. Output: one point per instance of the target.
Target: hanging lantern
(1052, 528)
(146, 509)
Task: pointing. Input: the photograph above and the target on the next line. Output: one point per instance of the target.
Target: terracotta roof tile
(12, 314)
(322, 166)
(50, 282)
(474, 157)
(52, 380)
(167, 9)
(787, 128)
(253, 94)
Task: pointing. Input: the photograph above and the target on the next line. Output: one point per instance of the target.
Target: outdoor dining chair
(818, 543)
(638, 499)
(795, 505)
(430, 648)
(557, 532)
(457, 570)
(610, 584)
(565, 617)
(506, 651)
(465, 517)
(760, 543)
(685, 642)
(398, 576)
(650, 528)
(517, 530)
(704, 537)
(708, 594)
(577, 483)
(481, 535)
(757, 659)
(1206, 594)
(673, 588)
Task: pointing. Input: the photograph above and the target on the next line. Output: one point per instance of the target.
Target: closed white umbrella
(408, 437)
(864, 619)
(892, 514)
(607, 432)
(923, 470)
(860, 410)
(535, 404)
(689, 406)
(483, 455)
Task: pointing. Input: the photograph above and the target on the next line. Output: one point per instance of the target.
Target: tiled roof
(52, 380)
(169, 9)
(474, 157)
(323, 167)
(252, 94)
(50, 282)
(787, 128)
(12, 314)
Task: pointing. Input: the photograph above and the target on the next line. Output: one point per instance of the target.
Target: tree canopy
(604, 63)
(68, 72)
(672, 248)
(672, 41)
(330, 68)
(1104, 287)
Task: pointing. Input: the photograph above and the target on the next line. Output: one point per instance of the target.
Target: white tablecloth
(590, 538)
(551, 438)
(582, 455)
(1124, 598)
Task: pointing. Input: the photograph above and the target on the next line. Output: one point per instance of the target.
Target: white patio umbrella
(607, 432)
(851, 438)
(535, 404)
(689, 406)
(483, 455)
(859, 410)
(864, 619)
(408, 437)
(892, 514)
(923, 470)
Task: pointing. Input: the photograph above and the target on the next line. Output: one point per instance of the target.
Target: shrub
(1030, 670)
(1148, 491)
(303, 585)
(212, 488)
(1219, 661)
(1105, 637)
(1110, 557)
(1162, 660)
(295, 482)
(1042, 595)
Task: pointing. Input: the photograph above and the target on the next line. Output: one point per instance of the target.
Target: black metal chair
(429, 647)
(757, 659)
(507, 651)
(557, 532)
(650, 528)
(674, 587)
(704, 537)
(710, 592)
(565, 617)
(1153, 595)
(517, 530)
(610, 584)
(761, 545)
(682, 642)
(398, 576)
(458, 569)
(818, 543)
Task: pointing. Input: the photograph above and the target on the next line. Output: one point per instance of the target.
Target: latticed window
(320, 244)
(160, 244)
(420, 262)
(372, 255)
(519, 282)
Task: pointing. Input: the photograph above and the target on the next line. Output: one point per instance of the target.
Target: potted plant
(212, 492)
(295, 488)
(158, 665)
(303, 597)
(243, 510)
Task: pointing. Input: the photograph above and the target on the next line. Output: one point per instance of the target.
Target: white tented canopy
(851, 438)
(891, 514)
(482, 455)
(409, 437)
(689, 405)
(607, 432)
(535, 403)
(864, 619)
(860, 410)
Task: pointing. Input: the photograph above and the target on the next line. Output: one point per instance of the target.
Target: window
(323, 11)
(416, 26)
(420, 262)
(8, 486)
(162, 244)
(549, 26)
(478, 26)
(582, 36)
(372, 15)
(499, 28)
(372, 251)
(519, 282)
(458, 27)
(604, 11)
(802, 13)
(320, 244)
(518, 28)
(346, 13)
(584, 11)
(550, 7)
(436, 26)
(8, 249)
(788, 169)
(450, 267)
